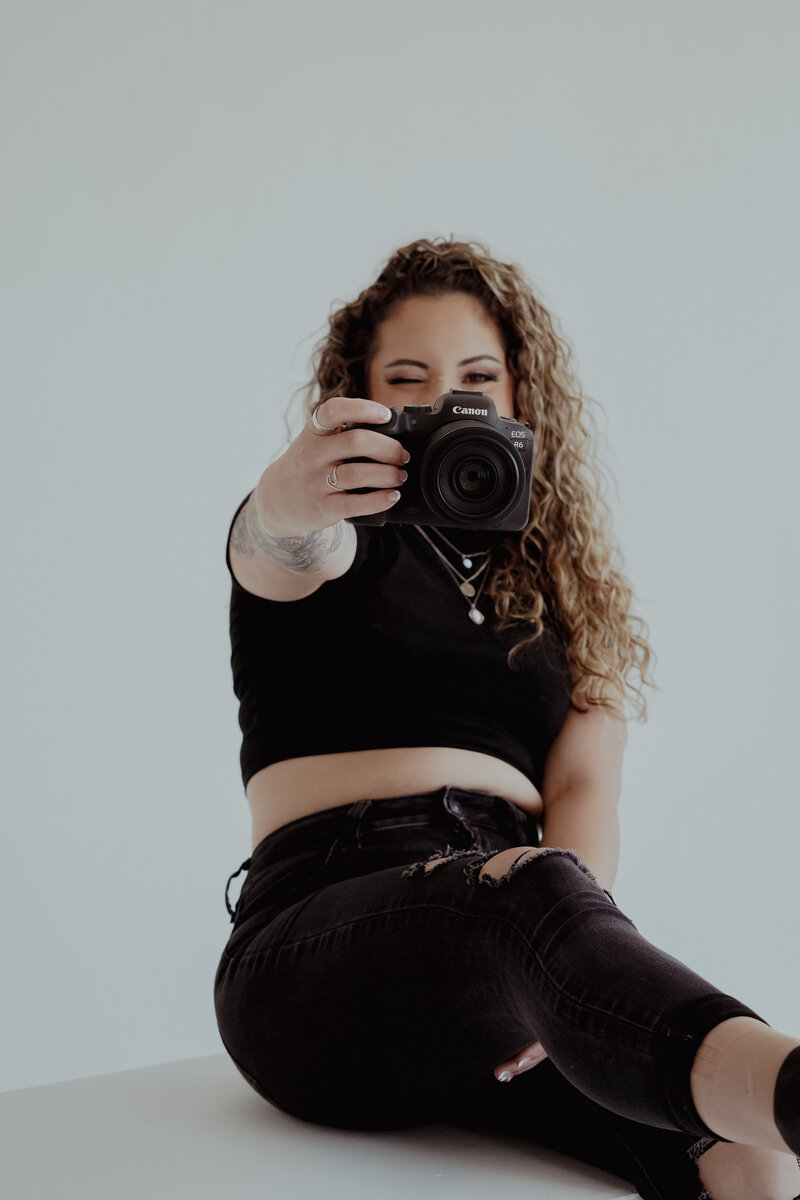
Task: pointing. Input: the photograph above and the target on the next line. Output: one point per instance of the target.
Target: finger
(341, 410)
(351, 475)
(368, 443)
(528, 1058)
(363, 504)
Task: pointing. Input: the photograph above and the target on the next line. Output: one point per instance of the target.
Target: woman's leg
(717, 1069)
(730, 1171)
(734, 1079)
(378, 998)
(539, 1107)
(659, 1163)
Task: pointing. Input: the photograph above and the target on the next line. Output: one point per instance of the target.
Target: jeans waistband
(479, 817)
(334, 822)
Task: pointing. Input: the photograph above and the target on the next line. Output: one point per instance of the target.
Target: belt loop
(527, 827)
(244, 867)
(527, 823)
(355, 814)
(472, 836)
(452, 804)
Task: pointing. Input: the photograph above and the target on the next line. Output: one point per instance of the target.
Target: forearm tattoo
(302, 553)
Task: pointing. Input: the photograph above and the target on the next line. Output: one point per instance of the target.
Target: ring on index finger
(320, 428)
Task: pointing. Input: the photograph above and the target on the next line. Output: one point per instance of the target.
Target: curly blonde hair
(565, 566)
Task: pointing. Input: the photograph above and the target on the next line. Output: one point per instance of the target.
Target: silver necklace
(463, 582)
(465, 556)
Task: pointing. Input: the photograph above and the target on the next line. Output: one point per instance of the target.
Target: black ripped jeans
(359, 990)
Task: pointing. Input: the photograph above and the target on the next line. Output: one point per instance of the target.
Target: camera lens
(474, 479)
(469, 473)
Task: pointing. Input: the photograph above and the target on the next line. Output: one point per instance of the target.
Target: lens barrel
(469, 472)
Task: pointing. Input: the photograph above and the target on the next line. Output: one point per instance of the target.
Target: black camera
(469, 468)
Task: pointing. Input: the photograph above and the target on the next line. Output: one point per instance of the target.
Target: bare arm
(291, 535)
(581, 788)
(288, 567)
(584, 819)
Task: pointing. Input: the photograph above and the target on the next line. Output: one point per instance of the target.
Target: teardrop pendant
(466, 589)
(467, 562)
(476, 616)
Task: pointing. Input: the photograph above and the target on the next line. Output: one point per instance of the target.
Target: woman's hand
(531, 1056)
(306, 489)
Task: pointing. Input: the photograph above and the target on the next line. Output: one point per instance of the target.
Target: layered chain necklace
(465, 583)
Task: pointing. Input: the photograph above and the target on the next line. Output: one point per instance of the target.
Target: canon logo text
(471, 412)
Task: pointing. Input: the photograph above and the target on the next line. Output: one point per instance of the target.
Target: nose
(443, 383)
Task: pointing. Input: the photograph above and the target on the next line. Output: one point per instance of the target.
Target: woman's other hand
(307, 487)
(531, 1056)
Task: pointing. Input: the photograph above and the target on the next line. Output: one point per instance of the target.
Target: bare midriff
(298, 787)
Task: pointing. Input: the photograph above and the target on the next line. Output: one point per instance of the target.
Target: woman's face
(430, 344)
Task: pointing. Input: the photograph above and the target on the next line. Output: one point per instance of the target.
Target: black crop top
(386, 656)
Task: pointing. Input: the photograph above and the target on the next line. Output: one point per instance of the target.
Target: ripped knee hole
(492, 869)
(495, 868)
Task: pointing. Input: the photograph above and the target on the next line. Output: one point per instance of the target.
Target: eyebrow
(412, 362)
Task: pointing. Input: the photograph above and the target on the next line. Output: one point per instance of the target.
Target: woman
(433, 732)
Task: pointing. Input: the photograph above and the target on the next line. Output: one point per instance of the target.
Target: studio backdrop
(189, 188)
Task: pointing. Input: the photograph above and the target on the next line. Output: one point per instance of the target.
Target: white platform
(195, 1129)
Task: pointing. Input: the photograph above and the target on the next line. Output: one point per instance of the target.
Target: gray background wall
(188, 189)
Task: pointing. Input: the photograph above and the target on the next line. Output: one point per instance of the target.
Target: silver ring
(333, 482)
(321, 428)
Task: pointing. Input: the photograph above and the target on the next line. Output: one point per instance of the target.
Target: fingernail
(504, 1076)
(407, 457)
(386, 414)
